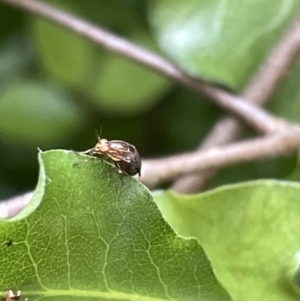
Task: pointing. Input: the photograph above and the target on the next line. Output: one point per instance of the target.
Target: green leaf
(96, 234)
(63, 54)
(250, 232)
(286, 100)
(224, 41)
(125, 87)
(36, 113)
(113, 84)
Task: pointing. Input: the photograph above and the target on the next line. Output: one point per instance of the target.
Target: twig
(275, 67)
(13, 206)
(254, 116)
(258, 91)
(158, 171)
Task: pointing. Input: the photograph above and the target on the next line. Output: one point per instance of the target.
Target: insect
(124, 155)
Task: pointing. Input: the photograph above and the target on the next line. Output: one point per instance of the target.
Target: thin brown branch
(275, 66)
(158, 171)
(254, 116)
(258, 91)
(11, 207)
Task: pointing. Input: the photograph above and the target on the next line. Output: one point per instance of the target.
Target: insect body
(124, 155)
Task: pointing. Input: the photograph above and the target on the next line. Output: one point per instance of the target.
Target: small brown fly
(125, 156)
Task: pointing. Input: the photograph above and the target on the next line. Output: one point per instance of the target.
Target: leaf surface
(96, 234)
(250, 232)
(223, 41)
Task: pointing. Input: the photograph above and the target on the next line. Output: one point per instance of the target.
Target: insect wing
(121, 151)
(126, 157)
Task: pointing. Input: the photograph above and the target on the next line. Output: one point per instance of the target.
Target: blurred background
(56, 88)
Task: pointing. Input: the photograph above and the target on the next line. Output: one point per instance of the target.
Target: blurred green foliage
(219, 40)
(56, 88)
